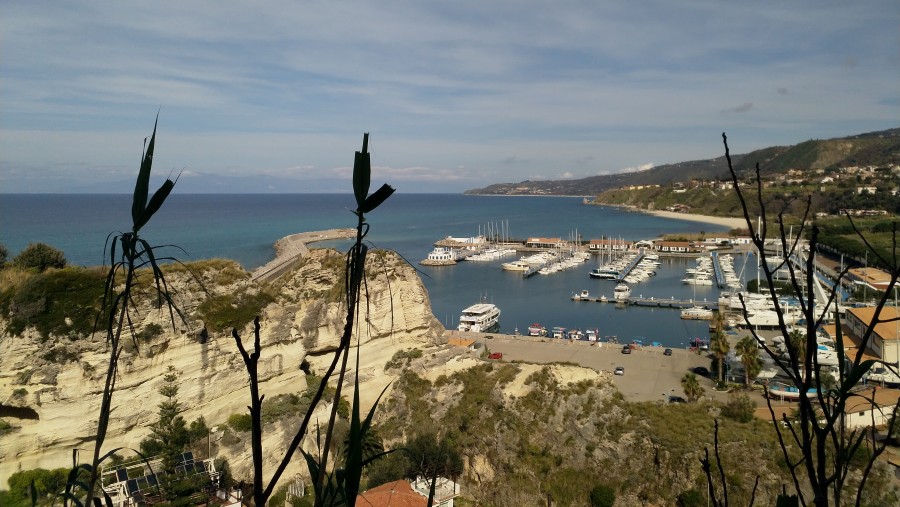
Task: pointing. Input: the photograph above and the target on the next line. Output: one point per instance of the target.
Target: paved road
(649, 375)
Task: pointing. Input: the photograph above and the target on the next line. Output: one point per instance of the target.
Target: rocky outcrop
(302, 324)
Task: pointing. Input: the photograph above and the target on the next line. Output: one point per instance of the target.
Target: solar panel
(199, 468)
(142, 482)
(179, 470)
(121, 475)
(152, 481)
(187, 457)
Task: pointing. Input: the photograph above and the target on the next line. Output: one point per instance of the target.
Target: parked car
(700, 370)
(677, 399)
(626, 349)
(667, 352)
(496, 355)
(620, 370)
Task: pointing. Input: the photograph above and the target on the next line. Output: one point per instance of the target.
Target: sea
(245, 227)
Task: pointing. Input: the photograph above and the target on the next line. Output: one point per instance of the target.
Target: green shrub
(403, 358)
(5, 427)
(226, 312)
(59, 355)
(281, 405)
(46, 300)
(739, 408)
(46, 482)
(4, 253)
(40, 257)
(691, 498)
(603, 496)
(240, 422)
(151, 331)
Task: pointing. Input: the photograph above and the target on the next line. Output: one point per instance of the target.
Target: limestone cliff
(61, 390)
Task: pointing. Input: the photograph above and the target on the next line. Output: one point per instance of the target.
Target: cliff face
(62, 397)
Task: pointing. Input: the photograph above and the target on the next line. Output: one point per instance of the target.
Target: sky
(275, 96)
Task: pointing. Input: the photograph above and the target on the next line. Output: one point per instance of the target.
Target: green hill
(871, 149)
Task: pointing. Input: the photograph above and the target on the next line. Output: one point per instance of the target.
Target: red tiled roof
(392, 494)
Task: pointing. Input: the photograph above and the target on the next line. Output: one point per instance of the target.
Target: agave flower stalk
(128, 252)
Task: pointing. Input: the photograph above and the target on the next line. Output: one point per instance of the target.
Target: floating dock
(717, 270)
(634, 262)
(653, 302)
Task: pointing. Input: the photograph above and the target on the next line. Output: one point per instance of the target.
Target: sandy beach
(734, 223)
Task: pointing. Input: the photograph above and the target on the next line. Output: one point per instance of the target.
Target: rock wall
(304, 322)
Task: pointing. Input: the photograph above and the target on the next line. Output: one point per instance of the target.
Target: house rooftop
(461, 342)
(393, 494)
(885, 399)
(886, 330)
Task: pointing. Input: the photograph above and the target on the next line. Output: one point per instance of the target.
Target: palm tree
(718, 344)
(691, 387)
(718, 321)
(749, 353)
(797, 342)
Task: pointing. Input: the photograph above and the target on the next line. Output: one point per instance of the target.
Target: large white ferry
(480, 318)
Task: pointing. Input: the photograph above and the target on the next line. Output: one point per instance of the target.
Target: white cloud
(638, 168)
(467, 93)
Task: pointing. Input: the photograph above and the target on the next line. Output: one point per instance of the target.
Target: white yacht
(519, 265)
(583, 296)
(480, 318)
(697, 313)
(621, 292)
(882, 375)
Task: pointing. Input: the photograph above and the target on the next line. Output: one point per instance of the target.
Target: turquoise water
(244, 228)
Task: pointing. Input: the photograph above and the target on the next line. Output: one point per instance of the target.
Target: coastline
(731, 222)
(734, 223)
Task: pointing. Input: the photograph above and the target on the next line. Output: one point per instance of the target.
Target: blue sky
(275, 96)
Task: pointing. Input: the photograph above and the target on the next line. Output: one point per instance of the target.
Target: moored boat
(582, 296)
(621, 292)
(519, 265)
(696, 313)
(537, 330)
(480, 318)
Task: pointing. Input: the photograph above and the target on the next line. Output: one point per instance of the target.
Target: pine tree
(170, 432)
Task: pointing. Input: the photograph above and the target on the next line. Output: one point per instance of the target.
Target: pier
(290, 249)
(721, 282)
(653, 302)
(634, 262)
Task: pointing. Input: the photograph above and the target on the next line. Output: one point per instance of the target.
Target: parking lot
(649, 375)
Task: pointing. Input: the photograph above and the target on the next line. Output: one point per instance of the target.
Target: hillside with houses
(859, 172)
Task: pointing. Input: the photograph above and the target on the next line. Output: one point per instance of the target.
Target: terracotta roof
(851, 342)
(872, 276)
(886, 399)
(886, 330)
(392, 494)
(461, 342)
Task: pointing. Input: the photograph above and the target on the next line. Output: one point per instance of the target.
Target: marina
(409, 224)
